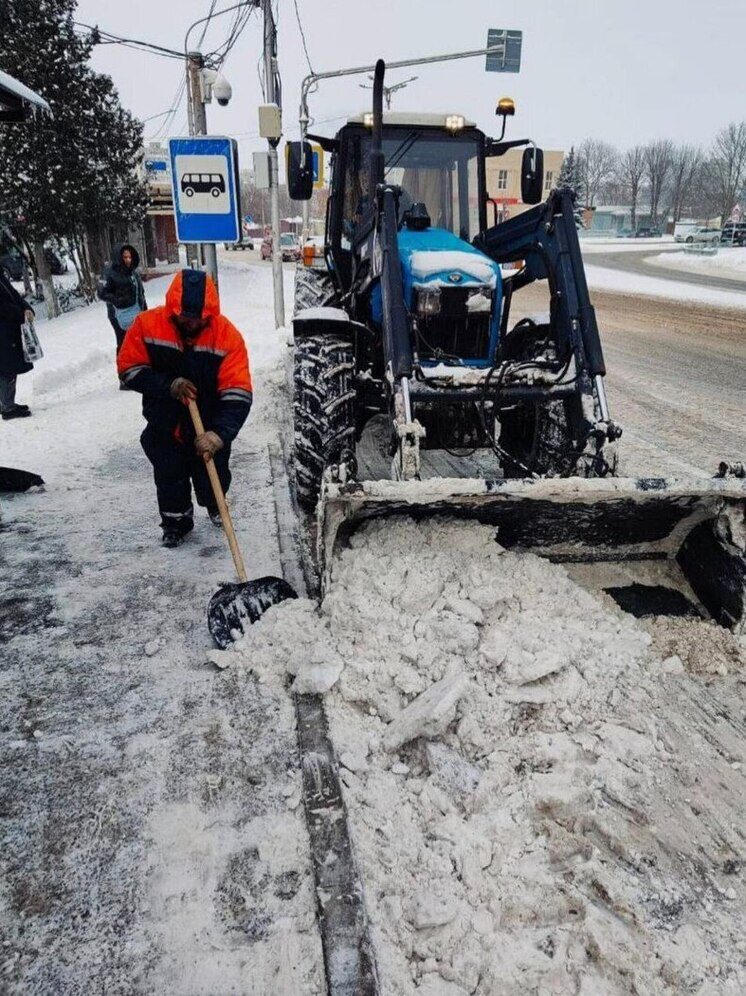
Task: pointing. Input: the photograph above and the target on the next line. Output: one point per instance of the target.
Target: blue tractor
(420, 387)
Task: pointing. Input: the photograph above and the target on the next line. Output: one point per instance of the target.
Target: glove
(29, 316)
(183, 390)
(208, 444)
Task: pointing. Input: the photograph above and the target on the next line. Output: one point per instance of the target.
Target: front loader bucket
(635, 538)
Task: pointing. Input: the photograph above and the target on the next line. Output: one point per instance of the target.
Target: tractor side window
(357, 169)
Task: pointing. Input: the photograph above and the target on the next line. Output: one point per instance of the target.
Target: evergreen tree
(570, 176)
(78, 169)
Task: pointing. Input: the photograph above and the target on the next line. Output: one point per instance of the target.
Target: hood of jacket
(116, 257)
(192, 293)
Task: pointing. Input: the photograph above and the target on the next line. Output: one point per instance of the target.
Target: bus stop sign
(204, 180)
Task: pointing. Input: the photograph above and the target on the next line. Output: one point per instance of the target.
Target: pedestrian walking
(14, 311)
(123, 290)
(187, 350)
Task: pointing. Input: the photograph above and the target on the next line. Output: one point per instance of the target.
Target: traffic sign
(507, 57)
(204, 180)
(317, 154)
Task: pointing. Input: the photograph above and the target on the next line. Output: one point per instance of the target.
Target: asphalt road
(634, 262)
(676, 380)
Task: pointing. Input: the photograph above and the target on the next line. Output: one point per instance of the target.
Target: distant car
(648, 233)
(244, 243)
(11, 263)
(625, 233)
(703, 234)
(57, 264)
(289, 247)
(733, 234)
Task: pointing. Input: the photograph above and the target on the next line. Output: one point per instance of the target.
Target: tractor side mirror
(300, 171)
(532, 175)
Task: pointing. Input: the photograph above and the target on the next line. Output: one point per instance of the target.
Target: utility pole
(198, 126)
(272, 96)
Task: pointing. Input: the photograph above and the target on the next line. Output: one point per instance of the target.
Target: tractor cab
(435, 163)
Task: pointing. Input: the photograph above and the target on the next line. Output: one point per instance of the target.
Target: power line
(302, 36)
(102, 37)
(210, 12)
(241, 20)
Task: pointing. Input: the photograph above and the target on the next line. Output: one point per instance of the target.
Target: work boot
(17, 411)
(214, 514)
(174, 535)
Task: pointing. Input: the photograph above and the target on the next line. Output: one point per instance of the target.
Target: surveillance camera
(222, 91)
(215, 85)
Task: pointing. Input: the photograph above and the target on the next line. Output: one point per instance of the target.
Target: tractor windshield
(435, 168)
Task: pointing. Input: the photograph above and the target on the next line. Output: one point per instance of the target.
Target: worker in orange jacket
(187, 350)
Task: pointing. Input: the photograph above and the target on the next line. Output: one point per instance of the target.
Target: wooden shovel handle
(217, 490)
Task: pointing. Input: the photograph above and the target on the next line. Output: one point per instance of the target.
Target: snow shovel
(233, 605)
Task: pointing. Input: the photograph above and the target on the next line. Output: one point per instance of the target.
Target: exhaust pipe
(376, 150)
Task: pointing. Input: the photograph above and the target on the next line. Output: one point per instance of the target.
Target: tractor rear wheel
(323, 410)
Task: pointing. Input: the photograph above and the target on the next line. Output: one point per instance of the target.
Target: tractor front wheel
(323, 410)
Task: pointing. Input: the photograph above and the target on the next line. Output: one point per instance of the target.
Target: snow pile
(727, 261)
(605, 278)
(523, 817)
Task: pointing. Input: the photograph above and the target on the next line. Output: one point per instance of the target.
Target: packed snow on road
(536, 796)
(544, 794)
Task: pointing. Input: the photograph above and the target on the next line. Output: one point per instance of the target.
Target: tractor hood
(436, 257)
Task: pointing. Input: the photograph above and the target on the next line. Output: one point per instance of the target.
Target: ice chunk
(429, 714)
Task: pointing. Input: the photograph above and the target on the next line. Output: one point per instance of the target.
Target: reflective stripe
(179, 515)
(236, 394)
(210, 349)
(133, 372)
(161, 342)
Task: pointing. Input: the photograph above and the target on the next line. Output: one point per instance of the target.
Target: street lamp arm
(314, 78)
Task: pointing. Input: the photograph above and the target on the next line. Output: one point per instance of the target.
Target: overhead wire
(302, 36)
(109, 38)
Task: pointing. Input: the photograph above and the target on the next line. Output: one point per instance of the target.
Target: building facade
(504, 182)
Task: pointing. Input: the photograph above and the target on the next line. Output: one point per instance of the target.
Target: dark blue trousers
(176, 468)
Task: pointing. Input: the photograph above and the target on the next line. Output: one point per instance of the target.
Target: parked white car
(700, 234)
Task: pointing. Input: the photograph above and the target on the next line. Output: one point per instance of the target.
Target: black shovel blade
(236, 606)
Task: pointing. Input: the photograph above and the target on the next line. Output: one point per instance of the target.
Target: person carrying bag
(15, 313)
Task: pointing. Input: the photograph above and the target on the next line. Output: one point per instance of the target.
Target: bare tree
(726, 167)
(686, 162)
(658, 156)
(631, 172)
(597, 163)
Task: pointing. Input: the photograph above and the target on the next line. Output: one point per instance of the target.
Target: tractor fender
(324, 321)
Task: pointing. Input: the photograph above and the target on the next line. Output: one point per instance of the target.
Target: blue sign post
(204, 179)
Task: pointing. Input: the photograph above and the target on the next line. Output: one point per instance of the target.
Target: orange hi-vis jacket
(154, 354)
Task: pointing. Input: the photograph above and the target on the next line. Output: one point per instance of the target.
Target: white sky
(623, 70)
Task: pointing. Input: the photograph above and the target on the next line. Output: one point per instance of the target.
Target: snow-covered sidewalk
(153, 837)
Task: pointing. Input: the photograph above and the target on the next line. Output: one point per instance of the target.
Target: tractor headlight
(455, 122)
(428, 301)
(368, 119)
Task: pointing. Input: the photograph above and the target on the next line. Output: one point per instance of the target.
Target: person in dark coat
(123, 290)
(118, 330)
(14, 311)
